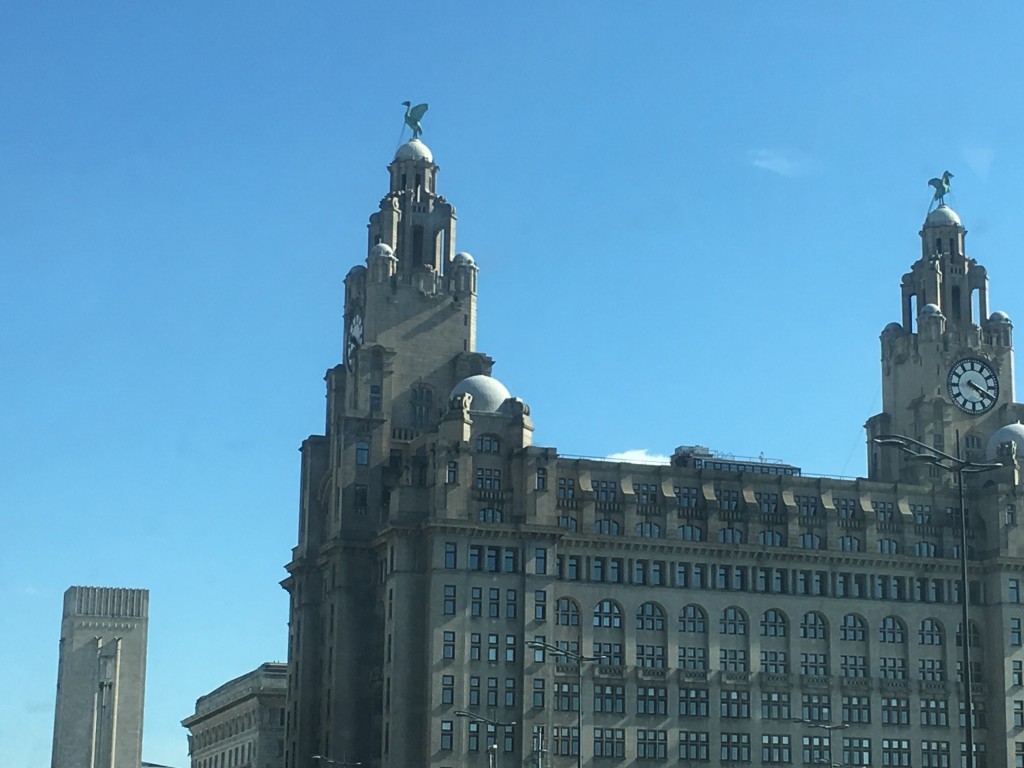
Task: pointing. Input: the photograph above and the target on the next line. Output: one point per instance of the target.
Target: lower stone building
(455, 587)
(241, 723)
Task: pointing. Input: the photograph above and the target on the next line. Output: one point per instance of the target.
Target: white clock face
(973, 386)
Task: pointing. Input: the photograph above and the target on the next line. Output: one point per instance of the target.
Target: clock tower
(947, 367)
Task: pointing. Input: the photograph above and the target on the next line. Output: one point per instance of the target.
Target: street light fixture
(492, 749)
(579, 658)
(329, 761)
(918, 451)
(828, 727)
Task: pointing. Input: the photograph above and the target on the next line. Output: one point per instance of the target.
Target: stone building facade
(724, 599)
(241, 723)
(101, 678)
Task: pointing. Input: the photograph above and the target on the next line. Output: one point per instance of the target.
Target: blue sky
(691, 221)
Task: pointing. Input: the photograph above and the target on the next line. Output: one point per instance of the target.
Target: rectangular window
(566, 488)
(896, 752)
(775, 662)
(775, 748)
(542, 478)
(693, 702)
(775, 705)
(735, 748)
(452, 476)
(857, 752)
(856, 709)
(609, 699)
(474, 646)
(451, 555)
(735, 704)
(538, 693)
(651, 744)
(651, 700)
(447, 689)
(895, 711)
(511, 604)
(567, 697)
(1017, 673)
(449, 600)
(813, 664)
(447, 729)
(732, 660)
(540, 560)
(935, 754)
(610, 742)
(448, 645)
(565, 740)
(816, 707)
(935, 712)
(1015, 632)
(693, 746)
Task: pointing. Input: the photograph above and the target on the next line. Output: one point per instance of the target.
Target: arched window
(488, 444)
(490, 515)
(422, 405)
(930, 632)
(648, 530)
(892, 630)
(693, 619)
(569, 523)
(730, 536)
(606, 527)
(810, 541)
(888, 547)
(924, 549)
(650, 616)
(813, 626)
(849, 544)
(567, 613)
(769, 538)
(732, 622)
(606, 614)
(773, 623)
(691, 533)
(853, 628)
(362, 453)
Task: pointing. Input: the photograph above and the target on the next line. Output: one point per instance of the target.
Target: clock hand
(979, 390)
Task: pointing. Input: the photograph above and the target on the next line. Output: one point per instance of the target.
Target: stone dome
(488, 393)
(930, 310)
(893, 328)
(414, 149)
(1014, 432)
(999, 317)
(382, 250)
(943, 216)
(463, 258)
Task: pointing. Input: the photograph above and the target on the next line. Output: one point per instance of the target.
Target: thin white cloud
(776, 161)
(641, 455)
(978, 159)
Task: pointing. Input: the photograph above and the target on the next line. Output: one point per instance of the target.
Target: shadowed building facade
(725, 598)
(101, 678)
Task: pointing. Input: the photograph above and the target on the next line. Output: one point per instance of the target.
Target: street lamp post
(579, 658)
(918, 451)
(492, 749)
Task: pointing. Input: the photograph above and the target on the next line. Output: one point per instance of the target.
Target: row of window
(733, 747)
(773, 622)
(736, 704)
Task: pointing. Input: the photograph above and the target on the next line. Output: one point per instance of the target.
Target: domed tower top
(414, 221)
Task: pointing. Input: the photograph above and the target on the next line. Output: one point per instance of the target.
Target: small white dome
(999, 317)
(382, 250)
(930, 310)
(942, 216)
(414, 149)
(1014, 432)
(488, 393)
(463, 258)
